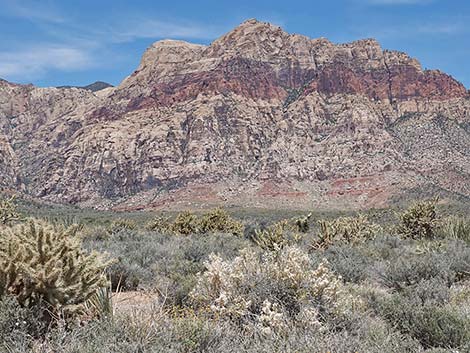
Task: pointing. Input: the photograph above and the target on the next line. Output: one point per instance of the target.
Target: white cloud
(26, 64)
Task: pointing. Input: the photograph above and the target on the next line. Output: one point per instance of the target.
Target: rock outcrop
(258, 118)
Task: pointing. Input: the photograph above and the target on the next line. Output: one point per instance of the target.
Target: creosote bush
(346, 229)
(302, 223)
(419, 221)
(44, 265)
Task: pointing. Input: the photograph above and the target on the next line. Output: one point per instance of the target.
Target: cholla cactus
(349, 229)
(273, 237)
(185, 223)
(218, 220)
(159, 224)
(44, 264)
(269, 288)
(121, 224)
(271, 318)
(8, 211)
(419, 221)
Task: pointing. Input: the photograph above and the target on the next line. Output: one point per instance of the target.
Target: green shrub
(43, 264)
(419, 221)
(218, 220)
(8, 211)
(408, 270)
(347, 229)
(350, 262)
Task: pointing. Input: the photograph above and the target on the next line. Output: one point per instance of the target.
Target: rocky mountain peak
(259, 117)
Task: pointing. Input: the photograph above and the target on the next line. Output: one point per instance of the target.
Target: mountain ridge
(257, 118)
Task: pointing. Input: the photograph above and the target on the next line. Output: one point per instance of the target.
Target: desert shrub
(121, 224)
(456, 228)
(8, 211)
(218, 220)
(42, 264)
(347, 229)
(185, 223)
(350, 262)
(161, 261)
(433, 325)
(408, 270)
(419, 221)
(17, 321)
(269, 289)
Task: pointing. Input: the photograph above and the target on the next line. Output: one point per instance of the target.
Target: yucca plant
(44, 265)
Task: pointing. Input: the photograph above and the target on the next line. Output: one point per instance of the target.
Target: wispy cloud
(33, 11)
(74, 45)
(144, 28)
(31, 63)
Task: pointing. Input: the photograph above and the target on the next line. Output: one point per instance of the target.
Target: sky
(65, 42)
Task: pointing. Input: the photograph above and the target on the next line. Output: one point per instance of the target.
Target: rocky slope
(258, 118)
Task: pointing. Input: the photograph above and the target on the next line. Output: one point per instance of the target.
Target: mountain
(94, 87)
(259, 118)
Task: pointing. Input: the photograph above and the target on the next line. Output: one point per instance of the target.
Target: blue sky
(53, 42)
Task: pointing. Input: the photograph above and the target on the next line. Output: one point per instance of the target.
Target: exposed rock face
(259, 117)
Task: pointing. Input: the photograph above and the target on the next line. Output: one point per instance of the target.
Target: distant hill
(94, 87)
